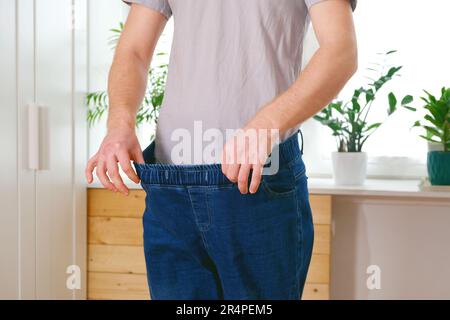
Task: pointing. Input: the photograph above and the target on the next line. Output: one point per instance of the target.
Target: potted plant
(97, 102)
(350, 125)
(437, 132)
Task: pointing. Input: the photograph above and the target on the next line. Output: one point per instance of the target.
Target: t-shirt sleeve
(310, 3)
(161, 6)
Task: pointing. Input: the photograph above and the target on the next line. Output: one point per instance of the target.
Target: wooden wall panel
(117, 286)
(319, 269)
(104, 203)
(321, 208)
(322, 238)
(115, 231)
(316, 291)
(116, 266)
(117, 259)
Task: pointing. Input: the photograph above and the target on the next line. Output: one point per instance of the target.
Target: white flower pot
(349, 168)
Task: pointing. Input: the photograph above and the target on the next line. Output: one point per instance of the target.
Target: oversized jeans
(203, 239)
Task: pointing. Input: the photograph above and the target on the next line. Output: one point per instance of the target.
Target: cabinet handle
(33, 136)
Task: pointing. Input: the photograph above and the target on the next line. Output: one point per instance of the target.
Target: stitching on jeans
(208, 210)
(195, 214)
(299, 257)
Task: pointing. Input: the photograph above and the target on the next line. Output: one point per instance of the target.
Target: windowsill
(376, 187)
(372, 187)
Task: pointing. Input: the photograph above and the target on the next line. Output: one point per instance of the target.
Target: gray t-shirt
(229, 58)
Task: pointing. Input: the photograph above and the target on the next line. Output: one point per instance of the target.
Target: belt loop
(301, 137)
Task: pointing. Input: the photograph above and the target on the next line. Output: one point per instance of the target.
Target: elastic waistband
(204, 174)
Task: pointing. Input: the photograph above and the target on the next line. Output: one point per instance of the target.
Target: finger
(233, 172)
(224, 161)
(113, 173)
(100, 171)
(138, 157)
(243, 178)
(228, 156)
(256, 178)
(125, 164)
(233, 165)
(90, 166)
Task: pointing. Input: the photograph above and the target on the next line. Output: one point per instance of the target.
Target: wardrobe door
(56, 214)
(26, 175)
(9, 262)
(43, 81)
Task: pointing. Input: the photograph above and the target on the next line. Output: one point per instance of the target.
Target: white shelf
(375, 187)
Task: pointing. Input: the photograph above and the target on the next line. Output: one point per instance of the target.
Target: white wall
(417, 29)
(407, 238)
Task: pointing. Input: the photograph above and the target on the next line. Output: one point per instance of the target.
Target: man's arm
(325, 75)
(126, 89)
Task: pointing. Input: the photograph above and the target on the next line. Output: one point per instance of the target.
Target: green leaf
(429, 139)
(337, 106)
(374, 126)
(356, 106)
(407, 100)
(392, 103)
(416, 124)
(394, 70)
(432, 131)
(370, 96)
(432, 120)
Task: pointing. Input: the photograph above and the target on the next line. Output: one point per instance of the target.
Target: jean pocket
(280, 184)
(298, 168)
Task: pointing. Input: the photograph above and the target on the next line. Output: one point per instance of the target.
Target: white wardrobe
(43, 82)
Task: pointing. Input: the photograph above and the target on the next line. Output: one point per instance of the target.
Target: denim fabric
(203, 239)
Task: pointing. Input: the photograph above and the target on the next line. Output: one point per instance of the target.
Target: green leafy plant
(98, 103)
(349, 120)
(437, 119)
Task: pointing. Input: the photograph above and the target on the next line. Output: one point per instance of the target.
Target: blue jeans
(203, 239)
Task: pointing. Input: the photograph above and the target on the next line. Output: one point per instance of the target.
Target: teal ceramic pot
(439, 168)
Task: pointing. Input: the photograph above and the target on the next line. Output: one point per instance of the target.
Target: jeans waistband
(202, 174)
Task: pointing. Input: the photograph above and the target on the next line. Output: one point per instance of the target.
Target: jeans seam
(299, 256)
(195, 215)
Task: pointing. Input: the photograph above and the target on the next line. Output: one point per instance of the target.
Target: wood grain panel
(319, 270)
(321, 208)
(104, 203)
(117, 259)
(322, 236)
(117, 286)
(115, 231)
(316, 291)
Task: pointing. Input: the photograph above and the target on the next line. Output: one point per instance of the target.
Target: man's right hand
(120, 146)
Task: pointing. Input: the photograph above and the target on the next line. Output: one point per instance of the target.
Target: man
(225, 231)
